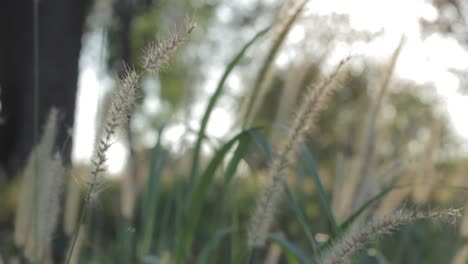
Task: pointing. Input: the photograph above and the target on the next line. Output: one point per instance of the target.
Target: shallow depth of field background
(421, 130)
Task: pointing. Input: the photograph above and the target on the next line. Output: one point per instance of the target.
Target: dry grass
(350, 244)
(39, 207)
(267, 203)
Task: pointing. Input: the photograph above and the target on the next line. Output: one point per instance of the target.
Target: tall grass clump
(169, 218)
(315, 100)
(201, 182)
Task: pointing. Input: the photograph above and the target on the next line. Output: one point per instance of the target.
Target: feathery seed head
(268, 200)
(122, 104)
(124, 100)
(344, 249)
(157, 54)
(314, 102)
(38, 211)
(264, 214)
(50, 193)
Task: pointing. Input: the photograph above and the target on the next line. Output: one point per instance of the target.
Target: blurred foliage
(404, 124)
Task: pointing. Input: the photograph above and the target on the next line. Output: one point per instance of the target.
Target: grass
(207, 215)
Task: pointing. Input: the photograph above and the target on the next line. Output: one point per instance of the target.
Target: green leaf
(262, 141)
(350, 220)
(267, 64)
(237, 244)
(197, 196)
(300, 216)
(293, 253)
(151, 195)
(309, 164)
(256, 137)
(214, 98)
(236, 158)
(213, 244)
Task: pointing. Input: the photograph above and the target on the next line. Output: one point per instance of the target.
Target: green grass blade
(214, 98)
(267, 64)
(310, 167)
(166, 222)
(150, 196)
(213, 244)
(300, 217)
(127, 239)
(350, 220)
(236, 240)
(256, 137)
(293, 253)
(155, 166)
(236, 158)
(197, 195)
(262, 141)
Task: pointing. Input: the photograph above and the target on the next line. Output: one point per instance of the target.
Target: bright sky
(423, 61)
(93, 82)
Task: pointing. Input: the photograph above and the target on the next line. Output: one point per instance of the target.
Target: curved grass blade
(301, 218)
(256, 137)
(236, 158)
(309, 165)
(155, 165)
(151, 194)
(267, 65)
(236, 240)
(262, 141)
(347, 223)
(214, 98)
(293, 254)
(197, 195)
(213, 244)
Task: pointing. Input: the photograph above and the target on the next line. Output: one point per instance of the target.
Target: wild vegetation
(322, 166)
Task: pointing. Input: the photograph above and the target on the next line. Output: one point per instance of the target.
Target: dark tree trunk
(60, 26)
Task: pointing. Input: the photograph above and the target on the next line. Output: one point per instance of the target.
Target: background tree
(39, 54)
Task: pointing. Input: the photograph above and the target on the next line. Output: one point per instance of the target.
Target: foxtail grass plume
(350, 244)
(38, 210)
(121, 107)
(50, 188)
(362, 184)
(316, 99)
(289, 14)
(27, 201)
(122, 104)
(157, 54)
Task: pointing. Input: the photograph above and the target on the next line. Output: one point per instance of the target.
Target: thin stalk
(122, 104)
(35, 114)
